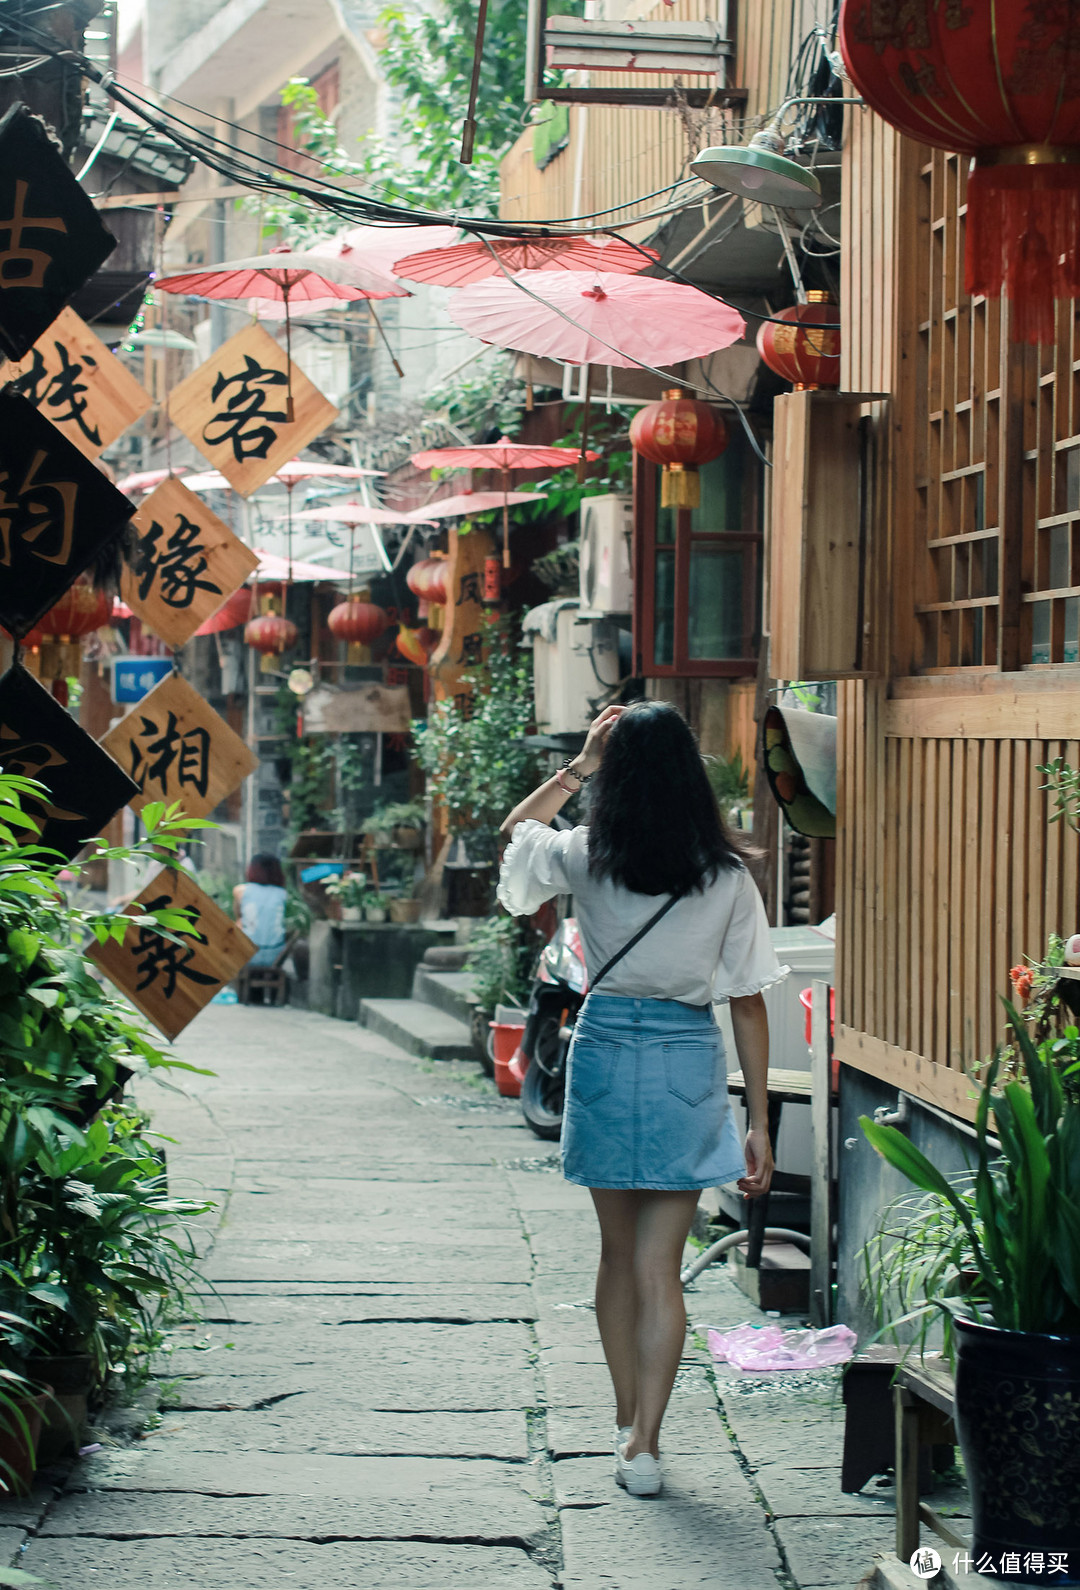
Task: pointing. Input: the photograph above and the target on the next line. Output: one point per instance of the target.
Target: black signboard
(51, 237)
(57, 512)
(40, 740)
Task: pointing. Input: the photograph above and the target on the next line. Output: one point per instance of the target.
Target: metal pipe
(733, 1240)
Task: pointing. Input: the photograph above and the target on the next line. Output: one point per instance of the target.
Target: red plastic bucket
(806, 1000)
(505, 1038)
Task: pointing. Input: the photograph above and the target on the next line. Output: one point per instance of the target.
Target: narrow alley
(398, 1384)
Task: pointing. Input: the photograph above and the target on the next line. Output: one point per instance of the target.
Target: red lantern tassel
(1023, 237)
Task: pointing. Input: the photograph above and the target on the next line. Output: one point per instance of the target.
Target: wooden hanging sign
(170, 982)
(176, 748)
(80, 386)
(51, 237)
(57, 513)
(186, 565)
(234, 409)
(39, 740)
(461, 648)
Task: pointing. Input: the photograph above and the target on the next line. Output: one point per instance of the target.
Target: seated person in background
(259, 907)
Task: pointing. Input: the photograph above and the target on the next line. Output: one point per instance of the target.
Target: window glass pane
(1072, 630)
(664, 596)
(721, 494)
(715, 628)
(1040, 632)
(665, 525)
(1059, 557)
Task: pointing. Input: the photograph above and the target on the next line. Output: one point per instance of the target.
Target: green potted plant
(1003, 1271)
(377, 828)
(498, 961)
(375, 906)
(405, 820)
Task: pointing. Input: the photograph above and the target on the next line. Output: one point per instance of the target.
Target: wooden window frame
(748, 539)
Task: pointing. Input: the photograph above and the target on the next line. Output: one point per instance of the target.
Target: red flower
(1023, 980)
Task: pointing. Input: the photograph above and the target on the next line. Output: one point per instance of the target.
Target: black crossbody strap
(638, 936)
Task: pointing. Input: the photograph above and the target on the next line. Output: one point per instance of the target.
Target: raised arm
(549, 799)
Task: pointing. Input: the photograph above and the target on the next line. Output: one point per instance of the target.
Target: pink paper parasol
(621, 320)
(467, 502)
(352, 513)
(380, 246)
(503, 455)
(463, 263)
(147, 479)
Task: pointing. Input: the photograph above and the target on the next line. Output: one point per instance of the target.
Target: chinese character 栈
(28, 514)
(176, 566)
(244, 420)
(61, 389)
(190, 751)
(35, 261)
(163, 956)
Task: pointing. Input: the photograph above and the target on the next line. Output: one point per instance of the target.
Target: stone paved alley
(399, 1386)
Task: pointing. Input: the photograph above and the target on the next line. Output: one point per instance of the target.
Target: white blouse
(710, 946)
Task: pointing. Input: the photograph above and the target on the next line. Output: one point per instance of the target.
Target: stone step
(451, 992)
(418, 1028)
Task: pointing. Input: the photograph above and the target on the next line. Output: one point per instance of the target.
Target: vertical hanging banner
(51, 237)
(234, 409)
(169, 980)
(186, 565)
(57, 512)
(462, 645)
(176, 748)
(80, 386)
(39, 740)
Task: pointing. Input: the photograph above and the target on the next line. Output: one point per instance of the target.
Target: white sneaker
(620, 1435)
(639, 1475)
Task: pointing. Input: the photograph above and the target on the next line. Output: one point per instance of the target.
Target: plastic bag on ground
(757, 1349)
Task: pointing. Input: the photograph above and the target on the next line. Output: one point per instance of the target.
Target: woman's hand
(590, 758)
(759, 1165)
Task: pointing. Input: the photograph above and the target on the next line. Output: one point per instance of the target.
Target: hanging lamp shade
(680, 433)
(270, 634)
(805, 351)
(357, 622)
(1000, 83)
(760, 171)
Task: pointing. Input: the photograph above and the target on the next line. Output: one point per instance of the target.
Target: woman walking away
(670, 921)
(259, 907)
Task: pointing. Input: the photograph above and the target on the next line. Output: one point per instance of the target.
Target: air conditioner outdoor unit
(575, 665)
(607, 525)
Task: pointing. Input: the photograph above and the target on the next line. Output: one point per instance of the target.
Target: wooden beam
(940, 1085)
(1018, 715)
(138, 201)
(821, 1213)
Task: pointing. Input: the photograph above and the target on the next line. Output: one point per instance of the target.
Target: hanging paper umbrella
(469, 502)
(621, 320)
(236, 611)
(147, 479)
(380, 246)
(276, 568)
(463, 263)
(503, 455)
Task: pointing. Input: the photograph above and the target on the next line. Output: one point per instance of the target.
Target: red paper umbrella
(503, 455)
(470, 502)
(147, 479)
(463, 263)
(236, 611)
(998, 82)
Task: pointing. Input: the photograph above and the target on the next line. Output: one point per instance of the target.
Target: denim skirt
(646, 1098)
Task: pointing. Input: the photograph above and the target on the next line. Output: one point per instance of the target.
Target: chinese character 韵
(31, 516)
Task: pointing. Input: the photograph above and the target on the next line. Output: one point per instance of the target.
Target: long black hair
(654, 825)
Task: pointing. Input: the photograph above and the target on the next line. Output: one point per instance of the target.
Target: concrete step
(418, 1028)
(451, 992)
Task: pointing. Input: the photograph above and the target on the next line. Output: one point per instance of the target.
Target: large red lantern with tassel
(805, 351)
(79, 611)
(357, 622)
(681, 434)
(270, 634)
(1001, 83)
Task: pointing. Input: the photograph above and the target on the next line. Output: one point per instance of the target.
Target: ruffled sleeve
(536, 866)
(748, 962)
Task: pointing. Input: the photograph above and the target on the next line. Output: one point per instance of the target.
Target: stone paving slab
(830, 1551)
(458, 1386)
(242, 1260)
(192, 1564)
(338, 1426)
(320, 1306)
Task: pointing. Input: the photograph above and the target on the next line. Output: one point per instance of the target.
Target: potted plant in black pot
(1010, 1297)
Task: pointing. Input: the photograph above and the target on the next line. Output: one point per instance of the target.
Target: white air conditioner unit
(575, 665)
(607, 528)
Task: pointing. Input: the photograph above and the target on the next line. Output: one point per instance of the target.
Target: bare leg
(616, 1294)
(663, 1224)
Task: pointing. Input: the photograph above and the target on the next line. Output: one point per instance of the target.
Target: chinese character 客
(63, 387)
(470, 589)
(238, 421)
(190, 751)
(177, 565)
(163, 956)
(27, 515)
(16, 253)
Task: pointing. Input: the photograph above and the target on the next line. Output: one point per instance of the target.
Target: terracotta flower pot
(408, 838)
(64, 1411)
(404, 910)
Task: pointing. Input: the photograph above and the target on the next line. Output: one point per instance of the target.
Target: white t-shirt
(708, 947)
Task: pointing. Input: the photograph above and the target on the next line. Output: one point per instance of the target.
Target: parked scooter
(558, 993)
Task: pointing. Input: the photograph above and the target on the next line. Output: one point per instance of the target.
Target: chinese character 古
(470, 589)
(244, 420)
(60, 389)
(35, 260)
(27, 516)
(190, 751)
(176, 566)
(161, 956)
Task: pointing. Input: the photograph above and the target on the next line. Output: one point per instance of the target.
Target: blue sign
(135, 677)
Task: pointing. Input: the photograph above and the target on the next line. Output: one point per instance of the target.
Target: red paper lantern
(78, 612)
(429, 639)
(493, 579)
(270, 634)
(428, 580)
(997, 82)
(679, 433)
(357, 622)
(806, 351)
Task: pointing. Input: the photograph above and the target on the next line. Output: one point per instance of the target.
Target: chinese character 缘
(36, 260)
(245, 421)
(177, 565)
(30, 515)
(161, 955)
(190, 751)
